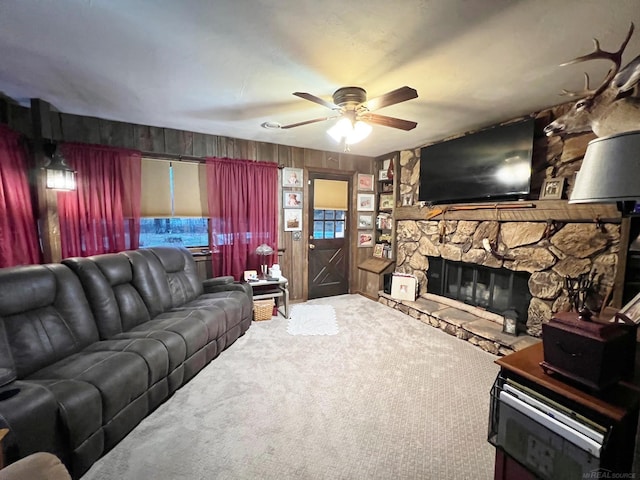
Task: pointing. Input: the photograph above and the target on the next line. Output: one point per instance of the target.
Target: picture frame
(293, 220)
(365, 239)
(292, 177)
(378, 250)
(407, 199)
(365, 182)
(366, 202)
(404, 287)
(365, 221)
(386, 201)
(291, 199)
(383, 175)
(552, 188)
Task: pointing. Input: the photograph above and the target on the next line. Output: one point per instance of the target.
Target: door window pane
(325, 227)
(318, 229)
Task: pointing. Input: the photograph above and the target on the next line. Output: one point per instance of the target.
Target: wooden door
(328, 244)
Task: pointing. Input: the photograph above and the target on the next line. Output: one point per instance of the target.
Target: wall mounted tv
(492, 164)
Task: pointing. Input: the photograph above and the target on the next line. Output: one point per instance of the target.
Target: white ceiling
(224, 67)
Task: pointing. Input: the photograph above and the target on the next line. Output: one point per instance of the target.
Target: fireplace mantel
(541, 211)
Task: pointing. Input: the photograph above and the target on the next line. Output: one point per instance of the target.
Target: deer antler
(582, 93)
(598, 53)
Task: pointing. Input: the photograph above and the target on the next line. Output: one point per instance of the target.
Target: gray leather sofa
(91, 346)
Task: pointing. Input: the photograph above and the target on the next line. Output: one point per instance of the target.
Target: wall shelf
(531, 211)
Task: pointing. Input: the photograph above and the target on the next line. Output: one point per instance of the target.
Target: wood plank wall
(167, 141)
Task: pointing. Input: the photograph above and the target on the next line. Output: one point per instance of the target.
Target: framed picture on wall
(291, 199)
(365, 182)
(366, 202)
(365, 239)
(293, 220)
(365, 221)
(292, 177)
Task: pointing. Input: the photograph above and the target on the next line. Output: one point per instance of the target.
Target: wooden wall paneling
(244, 150)
(266, 152)
(116, 134)
(220, 147)
(210, 146)
(19, 118)
(74, 128)
(199, 145)
(149, 139)
(178, 142)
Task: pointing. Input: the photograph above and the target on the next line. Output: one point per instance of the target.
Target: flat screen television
(492, 164)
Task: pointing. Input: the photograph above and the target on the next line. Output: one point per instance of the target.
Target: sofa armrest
(236, 286)
(226, 280)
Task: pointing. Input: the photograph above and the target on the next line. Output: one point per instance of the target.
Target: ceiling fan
(351, 104)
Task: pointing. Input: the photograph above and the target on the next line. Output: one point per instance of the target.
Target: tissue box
(592, 352)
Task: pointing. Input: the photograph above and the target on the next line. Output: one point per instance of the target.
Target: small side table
(276, 289)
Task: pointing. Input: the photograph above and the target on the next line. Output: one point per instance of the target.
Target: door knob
(312, 246)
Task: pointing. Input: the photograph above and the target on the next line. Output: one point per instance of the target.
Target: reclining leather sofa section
(91, 346)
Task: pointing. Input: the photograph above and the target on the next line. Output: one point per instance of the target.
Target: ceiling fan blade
(318, 100)
(315, 120)
(389, 121)
(399, 95)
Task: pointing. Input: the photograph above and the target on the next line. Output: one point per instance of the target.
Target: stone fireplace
(547, 255)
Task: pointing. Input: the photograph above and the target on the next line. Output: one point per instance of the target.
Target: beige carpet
(388, 397)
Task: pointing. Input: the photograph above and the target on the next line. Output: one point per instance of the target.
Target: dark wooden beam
(47, 200)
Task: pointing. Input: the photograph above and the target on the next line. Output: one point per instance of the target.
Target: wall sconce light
(610, 171)
(60, 176)
(264, 251)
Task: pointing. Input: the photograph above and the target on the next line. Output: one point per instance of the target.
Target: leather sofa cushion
(150, 350)
(45, 314)
(120, 377)
(107, 280)
(80, 409)
(174, 270)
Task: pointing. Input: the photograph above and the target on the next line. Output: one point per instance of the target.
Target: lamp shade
(610, 170)
(264, 250)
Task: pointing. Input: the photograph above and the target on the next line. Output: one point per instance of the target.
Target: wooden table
(276, 289)
(616, 407)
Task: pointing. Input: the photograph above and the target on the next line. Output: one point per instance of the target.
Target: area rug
(312, 320)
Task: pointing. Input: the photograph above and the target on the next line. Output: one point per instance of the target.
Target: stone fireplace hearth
(547, 255)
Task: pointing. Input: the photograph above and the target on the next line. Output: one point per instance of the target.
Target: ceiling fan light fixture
(350, 133)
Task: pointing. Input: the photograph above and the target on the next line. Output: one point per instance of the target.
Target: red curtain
(103, 214)
(243, 205)
(18, 232)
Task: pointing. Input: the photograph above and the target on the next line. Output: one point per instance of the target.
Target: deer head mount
(610, 108)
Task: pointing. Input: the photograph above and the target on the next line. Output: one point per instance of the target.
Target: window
(174, 208)
(175, 231)
(328, 224)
